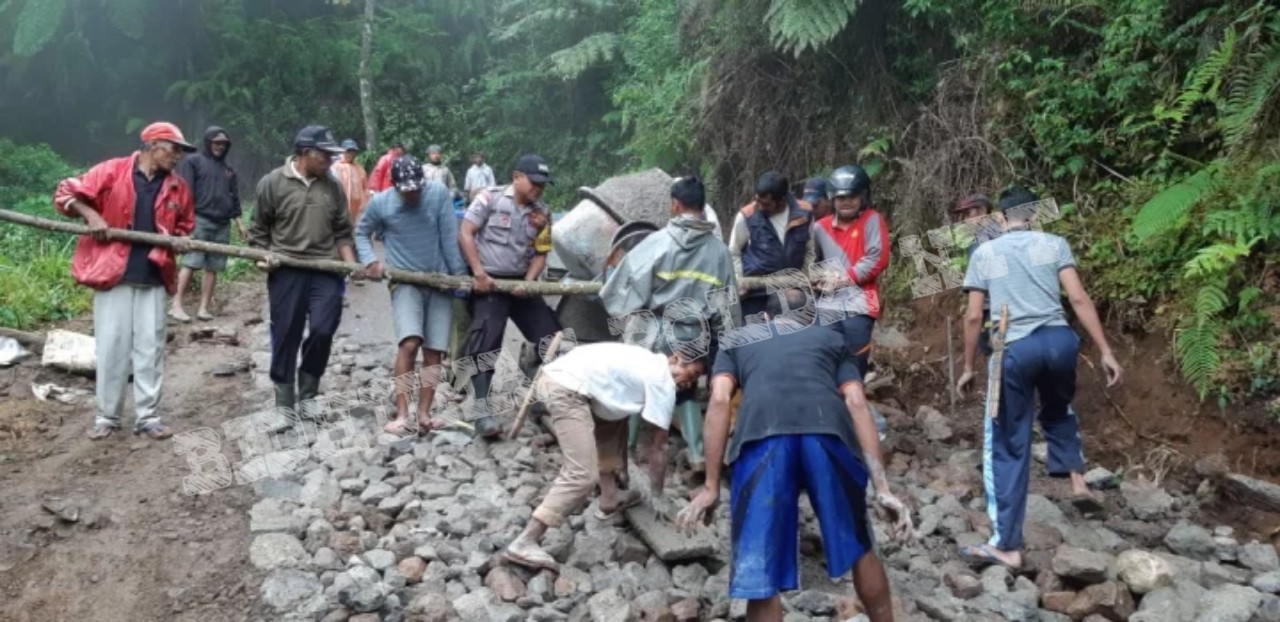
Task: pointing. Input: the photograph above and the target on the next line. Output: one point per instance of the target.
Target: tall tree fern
(36, 25)
(799, 25)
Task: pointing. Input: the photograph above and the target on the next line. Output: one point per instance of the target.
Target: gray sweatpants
(129, 332)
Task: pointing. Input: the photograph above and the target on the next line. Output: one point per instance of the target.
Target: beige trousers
(590, 445)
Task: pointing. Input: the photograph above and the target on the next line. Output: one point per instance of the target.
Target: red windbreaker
(380, 179)
(108, 189)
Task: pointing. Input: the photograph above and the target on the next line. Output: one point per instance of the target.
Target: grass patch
(35, 273)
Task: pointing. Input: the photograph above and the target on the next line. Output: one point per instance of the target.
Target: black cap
(406, 174)
(535, 168)
(316, 137)
(815, 189)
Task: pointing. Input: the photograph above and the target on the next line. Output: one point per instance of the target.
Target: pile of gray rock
(412, 529)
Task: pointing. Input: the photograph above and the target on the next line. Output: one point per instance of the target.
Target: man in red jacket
(852, 245)
(381, 178)
(141, 193)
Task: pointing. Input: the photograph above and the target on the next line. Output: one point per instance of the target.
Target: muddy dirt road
(139, 548)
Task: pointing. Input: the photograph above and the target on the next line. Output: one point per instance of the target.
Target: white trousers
(129, 335)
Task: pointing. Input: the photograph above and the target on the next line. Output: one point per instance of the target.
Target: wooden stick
(951, 371)
(552, 350)
(429, 279)
(438, 281)
(997, 364)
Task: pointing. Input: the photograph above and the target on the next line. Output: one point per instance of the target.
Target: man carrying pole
(140, 193)
(419, 233)
(506, 234)
(302, 213)
(1025, 271)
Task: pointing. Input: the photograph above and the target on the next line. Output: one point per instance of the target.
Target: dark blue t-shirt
(790, 384)
(139, 270)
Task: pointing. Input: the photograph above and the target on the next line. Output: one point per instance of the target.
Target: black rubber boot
(308, 389)
(486, 424)
(286, 396)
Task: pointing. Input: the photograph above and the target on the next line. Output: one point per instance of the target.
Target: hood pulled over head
(212, 133)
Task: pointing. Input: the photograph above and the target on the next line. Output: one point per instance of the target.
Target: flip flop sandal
(980, 556)
(631, 499)
(397, 428)
(529, 563)
(432, 425)
(1088, 504)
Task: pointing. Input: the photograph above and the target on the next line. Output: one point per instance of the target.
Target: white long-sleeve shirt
(620, 379)
(478, 178)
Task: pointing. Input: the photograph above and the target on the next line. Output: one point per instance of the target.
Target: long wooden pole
(429, 279)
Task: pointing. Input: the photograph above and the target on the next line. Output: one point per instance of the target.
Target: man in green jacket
(666, 285)
(302, 214)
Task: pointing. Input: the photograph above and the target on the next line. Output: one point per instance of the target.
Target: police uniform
(506, 241)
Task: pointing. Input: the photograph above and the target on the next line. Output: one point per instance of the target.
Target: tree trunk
(366, 80)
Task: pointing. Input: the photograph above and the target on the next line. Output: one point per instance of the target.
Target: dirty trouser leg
(489, 313)
(611, 445)
(287, 291)
(1057, 387)
(113, 343)
(535, 320)
(324, 310)
(1006, 451)
(149, 325)
(574, 426)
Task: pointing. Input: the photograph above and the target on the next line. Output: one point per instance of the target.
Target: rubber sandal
(631, 499)
(981, 556)
(397, 427)
(180, 316)
(1087, 504)
(204, 316)
(432, 425)
(529, 562)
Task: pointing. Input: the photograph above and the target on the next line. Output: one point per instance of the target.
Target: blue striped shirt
(421, 238)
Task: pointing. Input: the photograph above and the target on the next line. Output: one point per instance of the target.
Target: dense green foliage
(1153, 123)
(33, 265)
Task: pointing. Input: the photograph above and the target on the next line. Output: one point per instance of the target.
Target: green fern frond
(1216, 259)
(1202, 84)
(596, 49)
(529, 23)
(1167, 208)
(1198, 357)
(1252, 93)
(37, 22)
(797, 25)
(1211, 299)
(1233, 223)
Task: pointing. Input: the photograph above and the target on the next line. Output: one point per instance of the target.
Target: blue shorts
(765, 486)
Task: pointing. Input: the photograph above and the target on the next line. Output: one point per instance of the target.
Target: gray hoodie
(685, 260)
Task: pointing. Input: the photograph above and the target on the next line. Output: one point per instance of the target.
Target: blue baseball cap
(815, 189)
